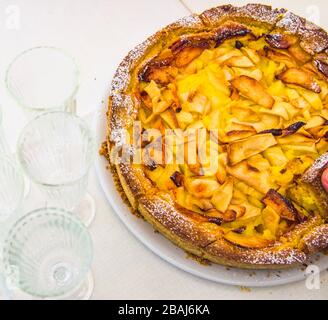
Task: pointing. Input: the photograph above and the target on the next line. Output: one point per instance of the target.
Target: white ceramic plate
(174, 255)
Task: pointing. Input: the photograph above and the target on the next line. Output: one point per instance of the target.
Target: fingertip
(324, 179)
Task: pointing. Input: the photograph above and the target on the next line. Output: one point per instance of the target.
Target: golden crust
(312, 178)
(194, 234)
(254, 14)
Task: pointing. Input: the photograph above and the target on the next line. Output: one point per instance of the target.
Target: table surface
(98, 33)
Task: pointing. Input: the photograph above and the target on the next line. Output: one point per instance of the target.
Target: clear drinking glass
(48, 254)
(4, 291)
(4, 149)
(12, 188)
(56, 151)
(43, 79)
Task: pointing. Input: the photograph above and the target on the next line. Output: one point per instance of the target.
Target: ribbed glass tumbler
(56, 151)
(48, 254)
(4, 148)
(43, 79)
(12, 189)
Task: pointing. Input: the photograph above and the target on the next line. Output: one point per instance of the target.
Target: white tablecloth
(99, 33)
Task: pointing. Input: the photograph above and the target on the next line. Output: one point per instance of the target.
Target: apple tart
(252, 81)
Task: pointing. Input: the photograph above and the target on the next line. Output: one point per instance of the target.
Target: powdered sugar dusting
(122, 76)
(191, 21)
(118, 137)
(316, 169)
(123, 111)
(255, 12)
(290, 22)
(317, 240)
(261, 13)
(122, 115)
(281, 257)
(176, 222)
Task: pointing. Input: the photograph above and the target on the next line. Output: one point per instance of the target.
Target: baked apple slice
(188, 49)
(243, 149)
(223, 195)
(271, 220)
(239, 62)
(235, 135)
(300, 78)
(187, 55)
(226, 217)
(252, 54)
(221, 174)
(239, 209)
(280, 57)
(280, 205)
(279, 41)
(315, 121)
(201, 188)
(248, 241)
(322, 67)
(170, 118)
(251, 176)
(299, 54)
(253, 90)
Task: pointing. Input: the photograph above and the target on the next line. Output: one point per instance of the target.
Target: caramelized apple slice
(226, 55)
(322, 67)
(170, 118)
(293, 128)
(145, 98)
(239, 61)
(300, 78)
(251, 53)
(187, 49)
(234, 94)
(221, 174)
(256, 74)
(199, 41)
(160, 106)
(243, 149)
(253, 90)
(280, 205)
(230, 30)
(235, 135)
(279, 41)
(160, 74)
(299, 54)
(201, 188)
(280, 57)
(204, 205)
(315, 121)
(187, 55)
(228, 216)
(177, 178)
(248, 241)
(276, 156)
(260, 181)
(223, 195)
(271, 220)
(239, 209)
(296, 138)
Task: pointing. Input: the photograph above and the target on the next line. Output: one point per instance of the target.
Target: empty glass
(4, 291)
(56, 151)
(12, 188)
(43, 79)
(4, 149)
(48, 254)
